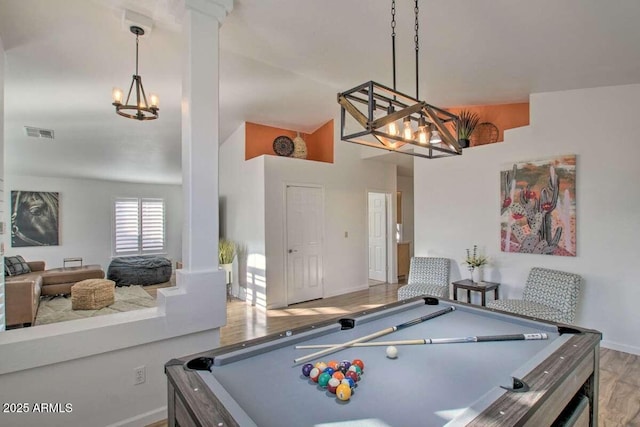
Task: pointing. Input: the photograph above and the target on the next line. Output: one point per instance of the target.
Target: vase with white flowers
(475, 263)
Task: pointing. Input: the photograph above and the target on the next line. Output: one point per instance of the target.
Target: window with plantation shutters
(139, 226)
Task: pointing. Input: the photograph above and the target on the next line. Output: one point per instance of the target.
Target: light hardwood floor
(619, 402)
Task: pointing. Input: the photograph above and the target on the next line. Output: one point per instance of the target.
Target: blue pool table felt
(426, 385)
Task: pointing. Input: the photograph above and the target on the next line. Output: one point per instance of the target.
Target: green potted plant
(465, 126)
(226, 254)
(226, 251)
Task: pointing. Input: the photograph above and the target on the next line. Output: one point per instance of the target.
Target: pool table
(494, 383)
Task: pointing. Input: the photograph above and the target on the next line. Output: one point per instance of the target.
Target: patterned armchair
(427, 276)
(548, 294)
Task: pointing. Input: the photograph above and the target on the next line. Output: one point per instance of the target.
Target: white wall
(405, 185)
(86, 217)
(242, 215)
(346, 183)
(461, 205)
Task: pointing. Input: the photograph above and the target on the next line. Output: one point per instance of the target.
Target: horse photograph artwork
(34, 218)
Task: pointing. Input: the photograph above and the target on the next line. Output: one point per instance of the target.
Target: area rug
(58, 308)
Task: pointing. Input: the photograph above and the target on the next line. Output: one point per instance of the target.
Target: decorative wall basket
(484, 133)
(283, 146)
(300, 150)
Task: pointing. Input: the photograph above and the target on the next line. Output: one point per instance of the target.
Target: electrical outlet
(139, 375)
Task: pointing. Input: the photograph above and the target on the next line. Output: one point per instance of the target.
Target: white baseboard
(338, 292)
(620, 347)
(143, 419)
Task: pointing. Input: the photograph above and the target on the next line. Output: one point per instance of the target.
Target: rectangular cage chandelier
(377, 116)
(423, 132)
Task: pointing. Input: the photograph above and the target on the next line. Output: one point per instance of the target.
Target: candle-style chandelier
(142, 109)
(384, 118)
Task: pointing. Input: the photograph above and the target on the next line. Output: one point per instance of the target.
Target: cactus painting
(538, 206)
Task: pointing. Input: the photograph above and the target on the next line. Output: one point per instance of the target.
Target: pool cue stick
(373, 336)
(514, 337)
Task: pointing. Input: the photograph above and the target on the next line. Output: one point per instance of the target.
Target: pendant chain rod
(416, 39)
(137, 54)
(393, 41)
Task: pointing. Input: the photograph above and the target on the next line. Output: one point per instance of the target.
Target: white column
(200, 142)
(2, 202)
(200, 280)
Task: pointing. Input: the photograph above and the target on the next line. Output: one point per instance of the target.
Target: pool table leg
(593, 388)
(171, 402)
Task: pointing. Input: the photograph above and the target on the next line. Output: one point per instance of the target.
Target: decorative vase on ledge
(300, 148)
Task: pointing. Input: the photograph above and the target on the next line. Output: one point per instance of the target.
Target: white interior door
(377, 209)
(304, 243)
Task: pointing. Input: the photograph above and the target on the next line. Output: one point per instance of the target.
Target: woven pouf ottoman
(92, 294)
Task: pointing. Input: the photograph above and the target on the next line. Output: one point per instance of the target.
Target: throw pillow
(15, 265)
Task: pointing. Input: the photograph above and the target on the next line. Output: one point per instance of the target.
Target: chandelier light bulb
(408, 132)
(422, 130)
(393, 127)
(435, 138)
(422, 137)
(117, 95)
(154, 100)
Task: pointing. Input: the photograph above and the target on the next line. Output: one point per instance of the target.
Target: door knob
(292, 250)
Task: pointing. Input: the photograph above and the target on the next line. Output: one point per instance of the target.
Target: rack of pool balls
(339, 378)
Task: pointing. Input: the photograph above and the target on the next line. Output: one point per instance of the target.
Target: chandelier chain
(417, 25)
(393, 18)
(393, 41)
(416, 40)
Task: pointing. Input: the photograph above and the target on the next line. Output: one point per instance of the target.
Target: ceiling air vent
(39, 133)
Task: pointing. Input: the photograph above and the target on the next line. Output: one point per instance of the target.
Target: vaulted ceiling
(282, 63)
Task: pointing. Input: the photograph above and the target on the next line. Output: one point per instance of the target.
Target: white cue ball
(392, 352)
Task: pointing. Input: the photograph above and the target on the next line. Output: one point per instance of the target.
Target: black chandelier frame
(363, 102)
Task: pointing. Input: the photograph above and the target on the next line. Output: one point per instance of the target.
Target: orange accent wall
(320, 143)
(259, 141)
(504, 116)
